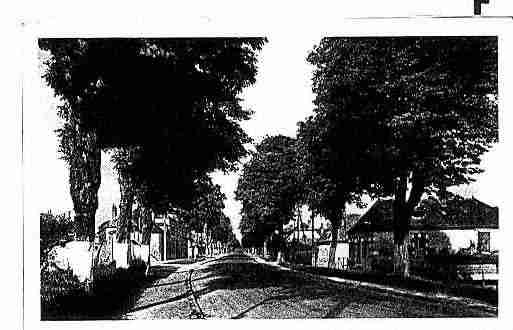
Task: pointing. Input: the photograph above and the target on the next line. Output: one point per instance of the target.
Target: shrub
(56, 284)
(54, 229)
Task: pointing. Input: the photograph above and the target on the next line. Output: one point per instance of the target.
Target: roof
(456, 213)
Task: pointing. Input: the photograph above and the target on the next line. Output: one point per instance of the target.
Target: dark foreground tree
(268, 187)
(153, 94)
(80, 150)
(415, 112)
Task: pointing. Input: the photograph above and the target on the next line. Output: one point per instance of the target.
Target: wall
(461, 238)
(78, 256)
(75, 255)
(156, 246)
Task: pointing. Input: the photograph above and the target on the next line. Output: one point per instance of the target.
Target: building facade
(454, 227)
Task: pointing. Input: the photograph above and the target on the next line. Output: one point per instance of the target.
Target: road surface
(238, 286)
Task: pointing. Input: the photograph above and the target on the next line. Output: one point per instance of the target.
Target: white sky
(280, 98)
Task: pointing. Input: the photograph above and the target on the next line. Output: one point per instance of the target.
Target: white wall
(75, 255)
(461, 238)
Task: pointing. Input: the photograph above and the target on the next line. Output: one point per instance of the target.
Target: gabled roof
(456, 213)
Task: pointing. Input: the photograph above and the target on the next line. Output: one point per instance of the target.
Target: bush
(382, 264)
(57, 284)
(114, 291)
(54, 229)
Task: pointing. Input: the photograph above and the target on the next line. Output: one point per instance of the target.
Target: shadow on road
(285, 290)
(111, 296)
(244, 273)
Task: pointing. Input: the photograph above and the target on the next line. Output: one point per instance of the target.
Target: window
(483, 241)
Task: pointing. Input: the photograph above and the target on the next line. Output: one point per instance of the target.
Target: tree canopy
(177, 100)
(422, 104)
(268, 187)
(207, 205)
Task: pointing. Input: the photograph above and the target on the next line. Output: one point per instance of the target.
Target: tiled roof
(457, 213)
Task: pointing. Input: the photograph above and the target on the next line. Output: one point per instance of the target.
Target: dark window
(483, 241)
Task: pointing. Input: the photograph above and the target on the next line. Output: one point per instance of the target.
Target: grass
(113, 293)
(462, 289)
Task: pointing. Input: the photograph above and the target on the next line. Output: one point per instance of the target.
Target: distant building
(455, 225)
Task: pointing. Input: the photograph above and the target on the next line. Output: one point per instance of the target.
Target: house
(452, 226)
(321, 257)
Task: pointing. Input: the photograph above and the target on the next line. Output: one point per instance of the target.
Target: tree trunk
(279, 256)
(84, 159)
(335, 226)
(82, 152)
(126, 202)
(148, 226)
(402, 212)
(125, 205)
(401, 256)
(124, 158)
(265, 248)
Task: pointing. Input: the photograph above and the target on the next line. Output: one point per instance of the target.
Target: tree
(416, 114)
(153, 94)
(329, 172)
(207, 209)
(123, 159)
(79, 148)
(268, 187)
(223, 233)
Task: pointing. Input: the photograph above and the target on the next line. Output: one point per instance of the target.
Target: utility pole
(477, 6)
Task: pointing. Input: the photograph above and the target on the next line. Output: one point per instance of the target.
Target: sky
(280, 98)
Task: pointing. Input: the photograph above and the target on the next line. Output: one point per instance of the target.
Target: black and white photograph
(351, 172)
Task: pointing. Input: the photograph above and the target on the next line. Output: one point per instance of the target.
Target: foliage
(408, 113)
(424, 104)
(154, 94)
(57, 283)
(268, 188)
(438, 243)
(207, 205)
(123, 159)
(54, 229)
(328, 170)
(79, 148)
(223, 232)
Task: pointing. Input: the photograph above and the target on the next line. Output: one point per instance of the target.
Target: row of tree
(393, 117)
(168, 109)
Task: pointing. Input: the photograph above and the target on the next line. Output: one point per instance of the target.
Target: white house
(453, 226)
